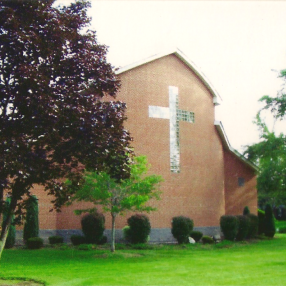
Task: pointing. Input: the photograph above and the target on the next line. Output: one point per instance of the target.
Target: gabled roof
(185, 60)
(227, 145)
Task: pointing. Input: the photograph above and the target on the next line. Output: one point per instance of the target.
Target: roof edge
(226, 143)
(216, 97)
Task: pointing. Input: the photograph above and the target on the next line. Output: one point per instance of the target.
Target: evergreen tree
(269, 223)
(31, 226)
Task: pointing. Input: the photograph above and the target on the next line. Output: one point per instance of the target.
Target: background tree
(53, 74)
(270, 155)
(118, 197)
(31, 226)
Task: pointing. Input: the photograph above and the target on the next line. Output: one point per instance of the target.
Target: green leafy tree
(31, 226)
(270, 155)
(118, 197)
(53, 75)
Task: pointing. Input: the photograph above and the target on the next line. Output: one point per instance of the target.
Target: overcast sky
(239, 46)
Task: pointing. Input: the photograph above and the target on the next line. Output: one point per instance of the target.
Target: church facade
(171, 117)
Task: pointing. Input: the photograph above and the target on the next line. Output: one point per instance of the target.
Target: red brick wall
(198, 191)
(237, 197)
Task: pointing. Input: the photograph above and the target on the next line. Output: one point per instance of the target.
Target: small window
(241, 182)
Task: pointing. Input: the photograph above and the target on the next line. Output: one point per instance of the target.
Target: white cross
(175, 115)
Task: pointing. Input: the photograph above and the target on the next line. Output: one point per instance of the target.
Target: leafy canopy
(116, 197)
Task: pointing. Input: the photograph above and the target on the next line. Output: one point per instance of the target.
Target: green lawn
(255, 263)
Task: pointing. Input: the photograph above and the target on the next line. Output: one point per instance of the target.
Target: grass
(256, 263)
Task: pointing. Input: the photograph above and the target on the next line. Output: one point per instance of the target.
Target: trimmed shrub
(269, 223)
(31, 226)
(139, 228)
(93, 226)
(207, 239)
(181, 228)
(35, 243)
(11, 237)
(196, 235)
(282, 230)
(77, 239)
(253, 225)
(229, 226)
(126, 231)
(246, 211)
(56, 239)
(261, 216)
(243, 227)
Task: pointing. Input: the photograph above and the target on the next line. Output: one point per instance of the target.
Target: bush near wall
(269, 222)
(229, 226)
(243, 227)
(196, 235)
(207, 239)
(77, 239)
(253, 225)
(55, 239)
(139, 229)
(181, 228)
(35, 243)
(93, 226)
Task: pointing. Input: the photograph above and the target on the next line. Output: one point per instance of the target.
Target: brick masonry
(207, 186)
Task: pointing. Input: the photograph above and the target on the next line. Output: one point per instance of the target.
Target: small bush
(207, 239)
(77, 239)
(229, 226)
(35, 243)
(139, 228)
(126, 233)
(181, 228)
(261, 216)
(282, 230)
(253, 225)
(93, 226)
(56, 239)
(196, 235)
(269, 223)
(243, 227)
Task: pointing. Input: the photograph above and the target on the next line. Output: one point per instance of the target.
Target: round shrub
(126, 233)
(253, 225)
(229, 226)
(181, 228)
(93, 226)
(77, 239)
(56, 239)
(269, 223)
(139, 228)
(31, 226)
(282, 229)
(196, 235)
(35, 243)
(261, 216)
(243, 227)
(207, 239)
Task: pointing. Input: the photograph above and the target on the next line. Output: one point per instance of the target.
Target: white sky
(237, 45)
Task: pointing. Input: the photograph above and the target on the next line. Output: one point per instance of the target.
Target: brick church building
(171, 116)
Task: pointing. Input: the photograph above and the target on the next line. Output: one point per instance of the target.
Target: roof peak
(177, 52)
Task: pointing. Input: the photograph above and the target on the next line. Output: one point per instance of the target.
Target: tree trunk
(6, 225)
(113, 215)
